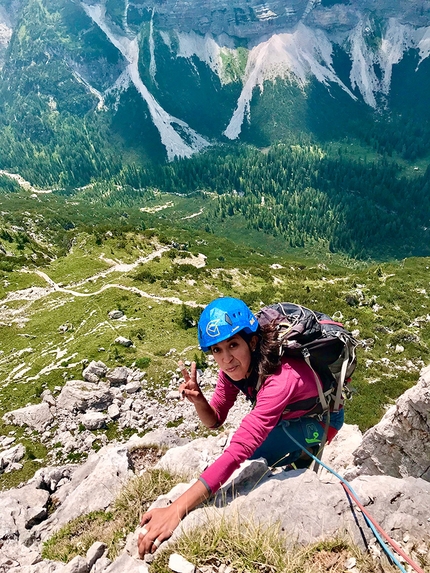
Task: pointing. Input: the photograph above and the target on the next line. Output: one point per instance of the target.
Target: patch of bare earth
(145, 458)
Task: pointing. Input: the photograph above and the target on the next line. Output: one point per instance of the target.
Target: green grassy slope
(48, 330)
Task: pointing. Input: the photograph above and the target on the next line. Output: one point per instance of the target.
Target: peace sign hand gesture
(189, 388)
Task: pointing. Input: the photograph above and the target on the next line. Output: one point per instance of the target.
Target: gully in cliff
(248, 355)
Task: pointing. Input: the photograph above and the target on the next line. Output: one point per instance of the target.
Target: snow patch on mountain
(214, 52)
(179, 139)
(424, 43)
(397, 39)
(362, 73)
(297, 56)
(204, 47)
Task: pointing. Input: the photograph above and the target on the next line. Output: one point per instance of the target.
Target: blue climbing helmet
(222, 318)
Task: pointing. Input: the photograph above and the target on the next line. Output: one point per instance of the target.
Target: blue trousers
(279, 449)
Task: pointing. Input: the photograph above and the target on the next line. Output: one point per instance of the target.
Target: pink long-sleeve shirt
(294, 381)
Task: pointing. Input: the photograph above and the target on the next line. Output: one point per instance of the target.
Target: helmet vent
(228, 320)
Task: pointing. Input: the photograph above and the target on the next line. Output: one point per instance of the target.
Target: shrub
(188, 317)
(143, 362)
(145, 275)
(404, 336)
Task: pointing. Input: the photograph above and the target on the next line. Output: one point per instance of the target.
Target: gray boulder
(123, 341)
(114, 411)
(399, 444)
(339, 454)
(17, 558)
(9, 457)
(36, 417)
(77, 565)
(127, 563)
(199, 454)
(118, 376)
(94, 371)
(78, 395)
(94, 420)
(50, 478)
(6, 441)
(178, 564)
(94, 553)
(167, 437)
(100, 565)
(115, 314)
(48, 397)
(133, 387)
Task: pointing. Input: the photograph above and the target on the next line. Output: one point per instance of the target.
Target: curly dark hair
(266, 358)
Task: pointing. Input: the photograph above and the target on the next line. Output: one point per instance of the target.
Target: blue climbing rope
(390, 555)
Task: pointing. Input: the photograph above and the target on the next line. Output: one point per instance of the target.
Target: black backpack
(326, 346)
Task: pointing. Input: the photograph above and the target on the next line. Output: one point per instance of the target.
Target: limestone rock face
(308, 506)
(21, 509)
(94, 420)
(252, 18)
(301, 502)
(338, 455)
(93, 486)
(399, 445)
(199, 454)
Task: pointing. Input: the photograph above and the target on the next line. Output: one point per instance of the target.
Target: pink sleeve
(272, 399)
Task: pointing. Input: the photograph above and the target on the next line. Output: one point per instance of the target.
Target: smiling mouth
(231, 369)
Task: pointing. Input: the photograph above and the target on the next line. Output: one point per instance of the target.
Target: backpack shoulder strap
(322, 397)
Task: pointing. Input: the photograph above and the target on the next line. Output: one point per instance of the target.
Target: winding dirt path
(36, 293)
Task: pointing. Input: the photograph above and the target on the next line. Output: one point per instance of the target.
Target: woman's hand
(189, 388)
(157, 526)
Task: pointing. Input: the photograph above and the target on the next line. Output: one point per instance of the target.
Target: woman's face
(233, 356)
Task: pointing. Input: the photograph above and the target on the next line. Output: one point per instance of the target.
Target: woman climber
(249, 361)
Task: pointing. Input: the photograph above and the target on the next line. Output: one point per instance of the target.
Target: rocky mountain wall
(5, 33)
(179, 61)
(399, 445)
(252, 19)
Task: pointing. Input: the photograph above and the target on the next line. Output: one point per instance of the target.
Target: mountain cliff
(178, 76)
